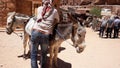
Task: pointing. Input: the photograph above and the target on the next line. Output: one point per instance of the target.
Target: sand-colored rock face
(5, 7)
(26, 6)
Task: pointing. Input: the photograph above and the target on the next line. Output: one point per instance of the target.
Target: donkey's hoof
(55, 65)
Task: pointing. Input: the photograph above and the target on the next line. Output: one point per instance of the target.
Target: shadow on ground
(61, 63)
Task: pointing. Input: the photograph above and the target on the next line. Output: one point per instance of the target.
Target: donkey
(72, 30)
(15, 20)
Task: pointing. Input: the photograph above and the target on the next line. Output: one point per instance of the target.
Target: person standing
(109, 28)
(41, 32)
(116, 27)
(103, 26)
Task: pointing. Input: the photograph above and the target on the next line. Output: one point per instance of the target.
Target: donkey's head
(16, 20)
(10, 21)
(78, 34)
(78, 37)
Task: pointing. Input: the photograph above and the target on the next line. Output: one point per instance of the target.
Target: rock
(99, 2)
(85, 2)
(111, 2)
(5, 7)
(11, 6)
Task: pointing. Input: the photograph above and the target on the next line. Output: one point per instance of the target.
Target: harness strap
(62, 37)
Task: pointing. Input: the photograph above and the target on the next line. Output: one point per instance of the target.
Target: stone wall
(95, 2)
(108, 2)
(20, 6)
(24, 7)
(5, 7)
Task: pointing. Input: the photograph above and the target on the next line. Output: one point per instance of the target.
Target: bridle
(10, 29)
(10, 25)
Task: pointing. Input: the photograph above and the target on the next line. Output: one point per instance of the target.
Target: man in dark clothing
(109, 28)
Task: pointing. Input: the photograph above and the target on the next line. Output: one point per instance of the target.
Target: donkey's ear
(11, 14)
(14, 13)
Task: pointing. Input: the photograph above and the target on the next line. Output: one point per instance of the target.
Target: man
(103, 26)
(109, 27)
(42, 29)
(116, 27)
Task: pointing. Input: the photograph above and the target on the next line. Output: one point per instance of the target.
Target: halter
(10, 27)
(21, 36)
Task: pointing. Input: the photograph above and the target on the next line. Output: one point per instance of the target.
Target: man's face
(46, 2)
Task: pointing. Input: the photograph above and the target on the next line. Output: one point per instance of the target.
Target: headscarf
(47, 9)
(50, 1)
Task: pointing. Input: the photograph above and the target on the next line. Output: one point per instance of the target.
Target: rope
(19, 35)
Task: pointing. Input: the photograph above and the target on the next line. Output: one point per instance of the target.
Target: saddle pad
(29, 26)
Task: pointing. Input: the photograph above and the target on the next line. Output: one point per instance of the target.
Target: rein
(19, 35)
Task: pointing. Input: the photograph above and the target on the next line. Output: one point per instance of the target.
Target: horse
(18, 20)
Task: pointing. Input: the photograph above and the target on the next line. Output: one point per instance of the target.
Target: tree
(96, 11)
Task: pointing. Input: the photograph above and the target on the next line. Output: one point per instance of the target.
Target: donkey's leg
(55, 56)
(51, 55)
(29, 43)
(25, 43)
(57, 45)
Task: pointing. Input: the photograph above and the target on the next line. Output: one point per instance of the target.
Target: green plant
(95, 11)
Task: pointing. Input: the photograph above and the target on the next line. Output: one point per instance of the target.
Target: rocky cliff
(26, 6)
(21, 6)
(108, 2)
(5, 7)
(100, 2)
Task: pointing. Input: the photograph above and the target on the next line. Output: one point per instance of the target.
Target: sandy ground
(99, 53)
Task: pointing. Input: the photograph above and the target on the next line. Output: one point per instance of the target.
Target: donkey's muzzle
(9, 31)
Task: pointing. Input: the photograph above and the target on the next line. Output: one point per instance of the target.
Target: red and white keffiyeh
(46, 9)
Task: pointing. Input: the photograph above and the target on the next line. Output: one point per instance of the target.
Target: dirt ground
(99, 53)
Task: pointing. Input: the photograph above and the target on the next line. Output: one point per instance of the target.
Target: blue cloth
(37, 39)
(104, 22)
(110, 21)
(116, 22)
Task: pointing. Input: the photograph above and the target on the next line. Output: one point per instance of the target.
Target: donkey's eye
(79, 35)
(9, 23)
(75, 28)
(79, 29)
